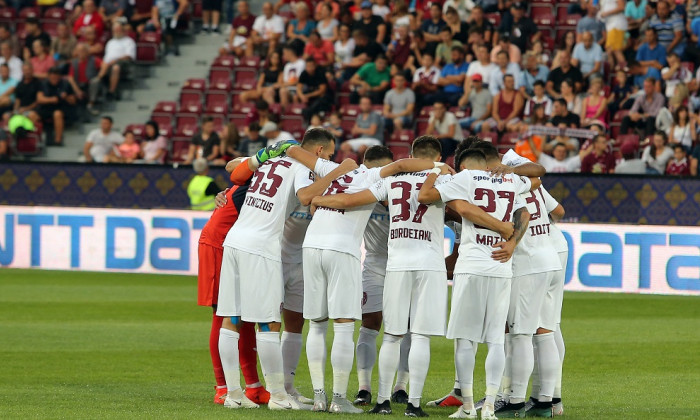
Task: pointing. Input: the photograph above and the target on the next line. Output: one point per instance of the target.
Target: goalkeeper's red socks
(247, 353)
(214, 351)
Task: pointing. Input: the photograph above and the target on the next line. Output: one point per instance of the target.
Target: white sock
(389, 355)
(456, 385)
(402, 374)
(547, 364)
(228, 351)
(465, 359)
(291, 351)
(316, 353)
(270, 354)
(505, 381)
(559, 340)
(495, 364)
(418, 364)
(342, 356)
(366, 357)
(535, 377)
(521, 366)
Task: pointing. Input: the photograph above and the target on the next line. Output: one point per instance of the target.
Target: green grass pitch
(93, 345)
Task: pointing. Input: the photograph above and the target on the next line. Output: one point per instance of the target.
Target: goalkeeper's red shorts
(208, 275)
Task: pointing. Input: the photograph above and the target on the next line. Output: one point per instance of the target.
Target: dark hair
(254, 126)
(55, 70)
(558, 144)
(534, 114)
(446, 29)
(504, 52)
(207, 120)
(473, 154)
(562, 41)
(381, 57)
(262, 105)
(156, 130)
(375, 153)
(538, 83)
(677, 113)
(562, 102)
(32, 19)
(317, 137)
(310, 59)
(457, 48)
(466, 144)
(489, 150)
(679, 146)
(651, 28)
(127, 132)
(436, 4)
(426, 147)
(108, 118)
(5, 65)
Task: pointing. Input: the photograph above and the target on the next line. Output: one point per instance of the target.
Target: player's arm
(451, 260)
(344, 201)
(521, 218)
(529, 169)
(535, 183)
(479, 217)
(240, 174)
(306, 194)
(410, 165)
(304, 157)
(428, 194)
(557, 214)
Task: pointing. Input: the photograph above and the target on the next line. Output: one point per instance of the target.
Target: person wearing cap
(371, 24)
(504, 44)
(479, 100)
(204, 144)
(522, 30)
(202, 188)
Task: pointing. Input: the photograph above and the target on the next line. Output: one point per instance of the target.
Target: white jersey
(558, 241)
(376, 240)
(498, 196)
(294, 232)
(417, 233)
(342, 230)
(268, 202)
(535, 252)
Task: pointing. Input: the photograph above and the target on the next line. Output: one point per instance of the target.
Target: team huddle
(294, 227)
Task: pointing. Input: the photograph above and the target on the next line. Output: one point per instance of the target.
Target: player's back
(376, 239)
(416, 232)
(269, 200)
(294, 232)
(535, 253)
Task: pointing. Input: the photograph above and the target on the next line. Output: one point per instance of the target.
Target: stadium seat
(564, 18)
(460, 113)
(198, 85)
(224, 62)
(216, 103)
(542, 15)
(179, 149)
(165, 108)
(239, 121)
(343, 99)
(148, 48)
(292, 124)
(294, 111)
(494, 18)
(622, 138)
(8, 17)
(165, 124)
(186, 125)
(509, 138)
(249, 62)
(350, 111)
(53, 16)
(220, 79)
(242, 109)
(244, 80)
(190, 102)
(137, 129)
(400, 151)
(399, 137)
(24, 14)
(347, 124)
(32, 144)
(491, 136)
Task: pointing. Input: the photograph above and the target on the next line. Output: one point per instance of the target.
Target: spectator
(13, 62)
(591, 24)
(56, 100)
(202, 188)
(399, 50)
(111, 10)
(82, 77)
(334, 6)
(443, 53)
(120, 52)
(335, 126)
(504, 44)
(561, 115)
(370, 24)
(271, 132)
(598, 159)
(241, 29)
(399, 105)
(7, 37)
(482, 66)
(89, 17)
(532, 73)
(155, 146)
(443, 125)
(507, 108)
(683, 130)
(566, 44)
(230, 143)
(7, 89)
(97, 48)
(480, 25)
(291, 3)
(343, 48)
(527, 144)
(127, 152)
(451, 80)
(425, 78)
(267, 82)
(462, 8)
(401, 16)
(100, 142)
(42, 61)
(651, 58)
(621, 94)
(371, 80)
(635, 12)
(479, 100)
(211, 15)
(368, 130)
(4, 146)
(26, 94)
(312, 90)
(521, 29)
(674, 74)
(612, 12)
(63, 45)
(694, 158)
(290, 74)
(432, 26)
(327, 25)
(301, 26)
(669, 26)
(459, 29)
(538, 98)
(561, 73)
(33, 32)
(319, 50)
(503, 66)
(540, 54)
(644, 110)
(205, 144)
(588, 57)
(379, 8)
(420, 46)
(559, 162)
(166, 14)
(630, 164)
(366, 51)
(594, 106)
(679, 165)
(253, 141)
(657, 154)
(260, 114)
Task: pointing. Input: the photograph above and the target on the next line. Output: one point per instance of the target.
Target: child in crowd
(253, 142)
(129, 150)
(679, 165)
(334, 125)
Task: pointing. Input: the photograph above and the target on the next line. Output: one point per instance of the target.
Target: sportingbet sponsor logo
(610, 258)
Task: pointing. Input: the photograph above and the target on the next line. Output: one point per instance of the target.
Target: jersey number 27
(404, 205)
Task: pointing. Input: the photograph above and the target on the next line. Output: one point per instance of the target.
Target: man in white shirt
(272, 132)
(14, 63)
(290, 74)
(268, 32)
(559, 162)
(674, 74)
(443, 125)
(120, 52)
(483, 66)
(100, 142)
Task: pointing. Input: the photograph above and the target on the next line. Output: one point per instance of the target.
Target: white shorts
(415, 297)
(355, 144)
(332, 285)
(251, 287)
(293, 274)
(372, 291)
(238, 41)
(550, 315)
(526, 298)
(479, 308)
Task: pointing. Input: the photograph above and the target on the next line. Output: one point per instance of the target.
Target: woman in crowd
(594, 105)
(230, 142)
(566, 43)
(401, 16)
(683, 128)
(267, 82)
(327, 25)
(301, 26)
(573, 102)
(343, 47)
(459, 29)
(657, 154)
(154, 145)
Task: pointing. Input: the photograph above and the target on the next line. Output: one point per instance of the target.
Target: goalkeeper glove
(274, 150)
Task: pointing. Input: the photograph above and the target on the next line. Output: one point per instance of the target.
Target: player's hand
(447, 170)
(500, 169)
(506, 230)
(274, 150)
(348, 165)
(505, 252)
(221, 198)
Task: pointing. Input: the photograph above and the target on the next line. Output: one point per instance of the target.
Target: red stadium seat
(29, 145)
(421, 126)
(220, 79)
(224, 62)
(509, 138)
(292, 125)
(186, 125)
(249, 62)
(564, 18)
(147, 52)
(494, 18)
(400, 151)
(491, 136)
(165, 124)
(216, 103)
(347, 124)
(622, 138)
(351, 111)
(542, 15)
(137, 129)
(55, 13)
(8, 16)
(244, 80)
(405, 136)
(165, 108)
(425, 112)
(179, 149)
(460, 113)
(343, 99)
(190, 102)
(294, 111)
(242, 109)
(199, 85)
